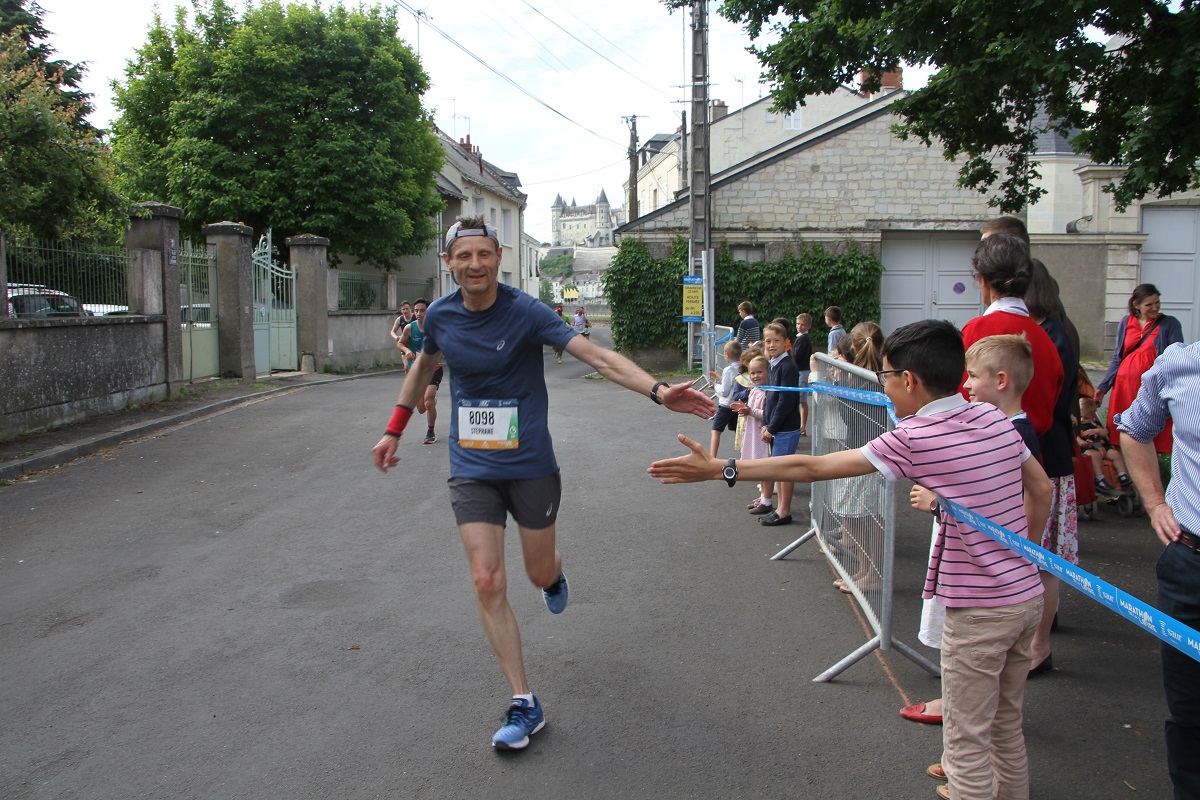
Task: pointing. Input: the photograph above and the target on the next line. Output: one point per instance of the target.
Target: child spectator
(802, 351)
(748, 332)
(725, 418)
(781, 417)
(752, 412)
(833, 319)
(969, 453)
(1093, 441)
(743, 391)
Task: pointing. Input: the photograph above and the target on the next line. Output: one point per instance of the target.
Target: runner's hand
(697, 465)
(385, 452)
(683, 399)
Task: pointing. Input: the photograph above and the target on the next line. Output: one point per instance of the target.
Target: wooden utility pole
(631, 202)
(698, 190)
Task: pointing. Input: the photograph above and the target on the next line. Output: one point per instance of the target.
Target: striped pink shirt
(969, 453)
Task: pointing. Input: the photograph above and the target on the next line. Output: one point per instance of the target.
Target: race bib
(488, 425)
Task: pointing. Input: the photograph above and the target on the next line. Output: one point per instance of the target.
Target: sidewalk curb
(64, 454)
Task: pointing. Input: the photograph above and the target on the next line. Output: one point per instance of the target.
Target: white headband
(457, 231)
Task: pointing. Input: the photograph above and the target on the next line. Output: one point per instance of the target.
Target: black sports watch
(730, 472)
(654, 391)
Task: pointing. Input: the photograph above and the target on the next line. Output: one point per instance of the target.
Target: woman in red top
(1001, 267)
(1142, 336)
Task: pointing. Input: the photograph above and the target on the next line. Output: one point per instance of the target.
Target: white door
(927, 276)
(1171, 261)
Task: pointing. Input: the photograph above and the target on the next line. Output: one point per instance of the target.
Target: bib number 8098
(481, 417)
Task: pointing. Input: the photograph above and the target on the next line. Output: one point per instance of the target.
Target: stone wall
(359, 339)
(55, 372)
(862, 180)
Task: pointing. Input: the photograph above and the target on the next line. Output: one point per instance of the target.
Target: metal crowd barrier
(854, 519)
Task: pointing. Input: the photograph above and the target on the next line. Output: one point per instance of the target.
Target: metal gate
(854, 519)
(198, 310)
(275, 344)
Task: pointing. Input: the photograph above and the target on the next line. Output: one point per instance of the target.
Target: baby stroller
(1087, 496)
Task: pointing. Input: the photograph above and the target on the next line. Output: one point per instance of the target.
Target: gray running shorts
(533, 502)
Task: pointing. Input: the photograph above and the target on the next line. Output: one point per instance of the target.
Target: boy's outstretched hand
(697, 465)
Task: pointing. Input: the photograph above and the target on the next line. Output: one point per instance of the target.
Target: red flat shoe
(917, 714)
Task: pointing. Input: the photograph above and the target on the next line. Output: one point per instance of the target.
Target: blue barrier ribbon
(804, 390)
(1175, 633)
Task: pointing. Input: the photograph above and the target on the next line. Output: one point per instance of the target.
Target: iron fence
(854, 519)
(361, 291)
(54, 279)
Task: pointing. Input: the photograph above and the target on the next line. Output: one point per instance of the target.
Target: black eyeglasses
(881, 374)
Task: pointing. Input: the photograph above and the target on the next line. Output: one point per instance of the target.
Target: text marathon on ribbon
(1171, 631)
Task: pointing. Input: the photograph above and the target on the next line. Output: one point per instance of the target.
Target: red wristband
(399, 420)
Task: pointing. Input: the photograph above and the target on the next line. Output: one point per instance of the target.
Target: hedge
(646, 294)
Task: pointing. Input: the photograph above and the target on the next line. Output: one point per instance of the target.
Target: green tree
(296, 118)
(1134, 102)
(56, 180)
(546, 292)
(559, 265)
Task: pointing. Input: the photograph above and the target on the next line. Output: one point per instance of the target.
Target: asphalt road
(243, 607)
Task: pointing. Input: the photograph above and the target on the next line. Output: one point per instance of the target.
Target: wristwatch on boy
(730, 472)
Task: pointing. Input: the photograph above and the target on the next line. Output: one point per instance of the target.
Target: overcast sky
(593, 63)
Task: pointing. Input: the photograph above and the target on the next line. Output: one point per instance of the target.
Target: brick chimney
(465, 144)
(716, 110)
(890, 81)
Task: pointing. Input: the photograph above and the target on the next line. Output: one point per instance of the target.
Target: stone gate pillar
(153, 281)
(308, 256)
(235, 297)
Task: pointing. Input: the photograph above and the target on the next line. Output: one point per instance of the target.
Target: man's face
(982, 385)
(406, 310)
(419, 312)
(474, 261)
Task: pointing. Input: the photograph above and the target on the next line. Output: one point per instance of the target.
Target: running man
(411, 342)
(402, 321)
(501, 455)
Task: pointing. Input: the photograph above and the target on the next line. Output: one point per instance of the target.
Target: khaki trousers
(986, 655)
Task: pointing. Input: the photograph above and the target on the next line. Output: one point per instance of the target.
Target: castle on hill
(585, 226)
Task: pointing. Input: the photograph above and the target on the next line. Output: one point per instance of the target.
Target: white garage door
(1171, 261)
(927, 276)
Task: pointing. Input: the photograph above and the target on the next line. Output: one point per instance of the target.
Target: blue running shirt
(496, 355)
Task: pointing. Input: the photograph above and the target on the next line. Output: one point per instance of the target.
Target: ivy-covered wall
(646, 294)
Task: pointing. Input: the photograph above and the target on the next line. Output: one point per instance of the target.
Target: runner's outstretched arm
(620, 370)
(410, 393)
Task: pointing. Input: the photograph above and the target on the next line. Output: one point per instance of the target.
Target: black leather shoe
(1047, 665)
(774, 519)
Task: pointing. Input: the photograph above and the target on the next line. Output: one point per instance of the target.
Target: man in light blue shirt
(1171, 388)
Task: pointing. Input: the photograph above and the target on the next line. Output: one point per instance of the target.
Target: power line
(594, 50)
(505, 78)
(598, 33)
(580, 175)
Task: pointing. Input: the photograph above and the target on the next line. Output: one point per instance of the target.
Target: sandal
(755, 503)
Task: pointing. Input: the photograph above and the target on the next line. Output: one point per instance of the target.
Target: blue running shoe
(520, 722)
(555, 594)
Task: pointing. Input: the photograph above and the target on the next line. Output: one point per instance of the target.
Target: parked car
(34, 301)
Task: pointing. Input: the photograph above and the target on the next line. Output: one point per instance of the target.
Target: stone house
(848, 178)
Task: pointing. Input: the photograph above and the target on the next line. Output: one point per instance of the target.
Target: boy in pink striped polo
(969, 453)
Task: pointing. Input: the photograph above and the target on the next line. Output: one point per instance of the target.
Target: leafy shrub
(646, 295)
